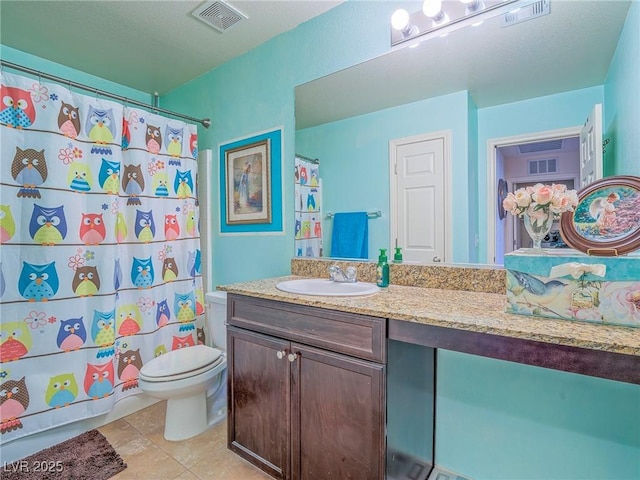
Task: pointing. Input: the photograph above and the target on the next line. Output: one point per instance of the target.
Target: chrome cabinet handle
(436, 259)
(292, 357)
(281, 354)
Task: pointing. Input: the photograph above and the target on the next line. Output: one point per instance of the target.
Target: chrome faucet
(336, 274)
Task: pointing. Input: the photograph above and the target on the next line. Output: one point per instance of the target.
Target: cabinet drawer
(357, 335)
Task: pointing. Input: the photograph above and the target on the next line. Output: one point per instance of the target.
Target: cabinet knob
(436, 259)
(292, 357)
(281, 354)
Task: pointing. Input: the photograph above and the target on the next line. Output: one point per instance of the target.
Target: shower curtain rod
(312, 160)
(205, 122)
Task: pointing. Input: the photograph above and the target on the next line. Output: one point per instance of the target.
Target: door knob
(292, 357)
(281, 354)
(436, 259)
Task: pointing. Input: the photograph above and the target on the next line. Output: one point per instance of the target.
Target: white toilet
(192, 380)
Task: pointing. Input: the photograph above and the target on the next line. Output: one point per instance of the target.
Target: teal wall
(502, 420)
(472, 156)
(31, 61)
(354, 162)
(410, 387)
(622, 101)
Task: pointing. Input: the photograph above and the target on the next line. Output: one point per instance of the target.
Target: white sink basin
(329, 288)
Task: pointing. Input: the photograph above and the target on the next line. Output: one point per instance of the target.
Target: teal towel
(350, 235)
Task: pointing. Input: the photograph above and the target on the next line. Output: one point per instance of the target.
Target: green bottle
(397, 257)
(382, 270)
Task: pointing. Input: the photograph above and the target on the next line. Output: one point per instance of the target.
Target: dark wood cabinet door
(337, 416)
(259, 400)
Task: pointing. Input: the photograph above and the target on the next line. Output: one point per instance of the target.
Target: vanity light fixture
(448, 15)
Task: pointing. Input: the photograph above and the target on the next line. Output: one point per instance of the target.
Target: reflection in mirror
(473, 86)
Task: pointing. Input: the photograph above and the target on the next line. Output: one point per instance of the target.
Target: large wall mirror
(547, 73)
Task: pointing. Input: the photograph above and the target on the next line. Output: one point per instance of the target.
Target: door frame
(492, 145)
(445, 135)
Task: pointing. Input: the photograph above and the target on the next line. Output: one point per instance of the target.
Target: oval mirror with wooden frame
(502, 194)
(606, 221)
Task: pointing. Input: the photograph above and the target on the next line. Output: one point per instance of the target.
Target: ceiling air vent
(219, 15)
(533, 10)
(540, 146)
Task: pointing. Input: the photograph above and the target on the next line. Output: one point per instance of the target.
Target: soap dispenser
(382, 270)
(397, 257)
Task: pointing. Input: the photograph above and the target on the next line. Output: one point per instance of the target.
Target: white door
(419, 217)
(591, 148)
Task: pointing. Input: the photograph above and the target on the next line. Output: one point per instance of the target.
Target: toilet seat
(182, 363)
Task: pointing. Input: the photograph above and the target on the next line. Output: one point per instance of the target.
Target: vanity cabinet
(306, 394)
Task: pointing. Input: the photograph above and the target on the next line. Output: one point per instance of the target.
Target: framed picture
(251, 184)
(248, 183)
(606, 221)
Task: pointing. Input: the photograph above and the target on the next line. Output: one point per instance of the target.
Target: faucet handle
(351, 274)
(333, 270)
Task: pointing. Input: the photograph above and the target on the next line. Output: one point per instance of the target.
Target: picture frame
(248, 183)
(606, 221)
(502, 194)
(237, 222)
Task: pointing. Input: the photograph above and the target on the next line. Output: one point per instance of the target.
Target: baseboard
(440, 473)
(401, 466)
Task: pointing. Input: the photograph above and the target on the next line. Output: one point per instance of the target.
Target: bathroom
(481, 401)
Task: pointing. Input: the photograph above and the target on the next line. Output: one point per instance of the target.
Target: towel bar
(375, 214)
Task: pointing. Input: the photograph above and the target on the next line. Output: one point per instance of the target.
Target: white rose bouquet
(540, 199)
(540, 205)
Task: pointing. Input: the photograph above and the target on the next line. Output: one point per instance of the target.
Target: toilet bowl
(188, 376)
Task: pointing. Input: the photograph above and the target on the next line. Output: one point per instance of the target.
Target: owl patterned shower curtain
(308, 214)
(100, 251)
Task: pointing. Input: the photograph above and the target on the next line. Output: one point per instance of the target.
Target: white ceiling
(569, 49)
(566, 145)
(152, 46)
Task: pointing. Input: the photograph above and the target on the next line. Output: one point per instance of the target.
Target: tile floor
(139, 441)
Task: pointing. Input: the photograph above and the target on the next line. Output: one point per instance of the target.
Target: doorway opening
(539, 155)
(521, 161)
(524, 165)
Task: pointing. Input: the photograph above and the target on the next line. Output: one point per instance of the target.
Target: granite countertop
(462, 310)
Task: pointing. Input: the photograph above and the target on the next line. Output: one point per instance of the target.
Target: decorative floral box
(564, 283)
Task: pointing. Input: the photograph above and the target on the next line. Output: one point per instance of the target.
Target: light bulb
(400, 19)
(432, 8)
(473, 6)
(441, 20)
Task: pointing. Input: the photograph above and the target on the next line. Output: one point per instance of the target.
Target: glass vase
(538, 227)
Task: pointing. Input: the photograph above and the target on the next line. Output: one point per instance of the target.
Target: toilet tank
(217, 317)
